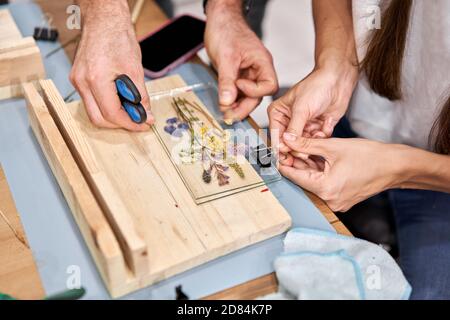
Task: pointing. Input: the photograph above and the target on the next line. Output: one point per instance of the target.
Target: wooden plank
(133, 246)
(86, 211)
(15, 44)
(19, 276)
(20, 58)
(8, 28)
(322, 206)
(136, 10)
(341, 228)
(178, 233)
(249, 290)
(21, 65)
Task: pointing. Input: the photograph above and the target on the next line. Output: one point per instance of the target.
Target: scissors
(130, 98)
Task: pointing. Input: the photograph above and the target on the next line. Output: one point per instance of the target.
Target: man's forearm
(234, 6)
(116, 12)
(421, 169)
(335, 43)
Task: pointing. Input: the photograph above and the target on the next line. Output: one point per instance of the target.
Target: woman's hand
(244, 65)
(313, 106)
(343, 172)
(108, 48)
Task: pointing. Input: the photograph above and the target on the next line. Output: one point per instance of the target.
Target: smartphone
(171, 45)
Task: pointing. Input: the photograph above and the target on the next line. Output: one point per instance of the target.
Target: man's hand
(245, 66)
(108, 48)
(313, 106)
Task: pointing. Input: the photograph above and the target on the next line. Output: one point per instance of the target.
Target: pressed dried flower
(238, 169)
(183, 126)
(206, 176)
(222, 178)
(169, 129)
(172, 120)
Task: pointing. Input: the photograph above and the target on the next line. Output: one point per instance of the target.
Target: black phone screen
(171, 42)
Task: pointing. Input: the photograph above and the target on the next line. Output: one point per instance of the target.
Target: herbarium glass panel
(212, 161)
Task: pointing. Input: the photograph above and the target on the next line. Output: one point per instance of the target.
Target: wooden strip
(20, 58)
(8, 28)
(322, 206)
(19, 276)
(10, 92)
(17, 44)
(21, 65)
(133, 247)
(136, 11)
(341, 228)
(249, 290)
(101, 241)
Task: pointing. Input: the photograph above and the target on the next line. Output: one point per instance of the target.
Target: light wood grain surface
(156, 208)
(20, 58)
(151, 17)
(18, 272)
(85, 208)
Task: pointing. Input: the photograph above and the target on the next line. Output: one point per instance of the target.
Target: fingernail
(228, 122)
(288, 136)
(226, 97)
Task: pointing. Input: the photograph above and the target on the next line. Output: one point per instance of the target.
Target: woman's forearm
(335, 41)
(420, 169)
(335, 49)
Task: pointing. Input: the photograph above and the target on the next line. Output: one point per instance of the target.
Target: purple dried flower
(183, 126)
(172, 120)
(169, 129)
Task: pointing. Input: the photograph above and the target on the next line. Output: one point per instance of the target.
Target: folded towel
(325, 265)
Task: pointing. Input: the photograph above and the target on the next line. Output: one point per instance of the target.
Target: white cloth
(425, 76)
(325, 265)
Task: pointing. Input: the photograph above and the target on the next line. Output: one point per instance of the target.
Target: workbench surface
(57, 244)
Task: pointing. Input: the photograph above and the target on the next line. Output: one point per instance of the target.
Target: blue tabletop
(52, 232)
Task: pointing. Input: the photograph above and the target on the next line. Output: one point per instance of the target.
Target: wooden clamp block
(140, 221)
(97, 233)
(20, 58)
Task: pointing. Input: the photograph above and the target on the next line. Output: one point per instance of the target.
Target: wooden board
(86, 211)
(20, 58)
(160, 229)
(19, 277)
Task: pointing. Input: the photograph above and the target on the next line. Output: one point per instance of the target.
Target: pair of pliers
(130, 98)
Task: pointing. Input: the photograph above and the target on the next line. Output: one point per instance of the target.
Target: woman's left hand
(342, 172)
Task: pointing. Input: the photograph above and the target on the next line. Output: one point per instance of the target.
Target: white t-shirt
(425, 76)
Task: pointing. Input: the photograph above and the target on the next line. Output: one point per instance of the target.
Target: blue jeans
(423, 232)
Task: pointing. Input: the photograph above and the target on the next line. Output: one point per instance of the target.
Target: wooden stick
(133, 246)
(100, 238)
(136, 10)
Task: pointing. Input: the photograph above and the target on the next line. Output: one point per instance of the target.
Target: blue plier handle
(130, 98)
